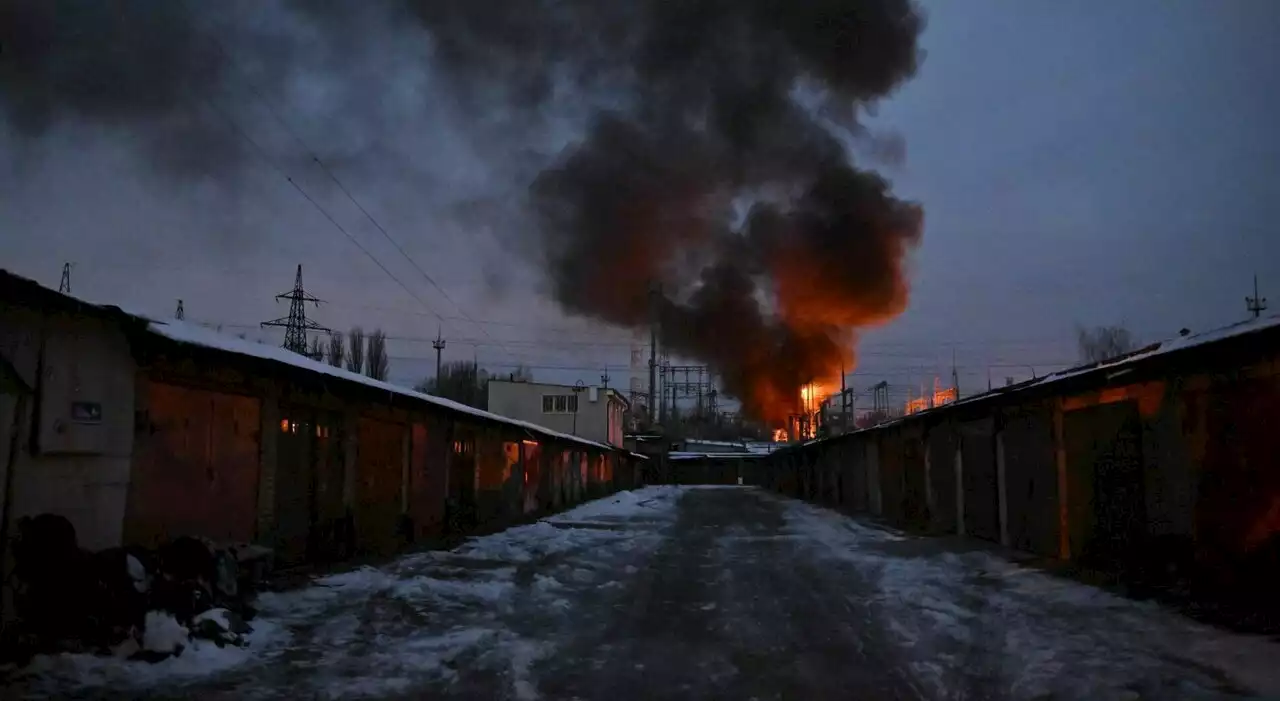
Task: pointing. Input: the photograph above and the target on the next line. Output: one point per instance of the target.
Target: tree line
(355, 351)
(466, 382)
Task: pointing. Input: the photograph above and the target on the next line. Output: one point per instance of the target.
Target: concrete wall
(599, 420)
(78, 466)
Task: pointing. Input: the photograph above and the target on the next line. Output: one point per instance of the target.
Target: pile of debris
(129, 602)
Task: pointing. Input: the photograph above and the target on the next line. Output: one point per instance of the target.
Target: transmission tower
(880, 396)
(180, 313)
(64, 286)
(296, 325)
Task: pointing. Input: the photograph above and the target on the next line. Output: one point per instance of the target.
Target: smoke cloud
(711, 191)
(642, 219)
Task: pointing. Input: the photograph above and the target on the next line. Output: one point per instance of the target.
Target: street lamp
(577, 390)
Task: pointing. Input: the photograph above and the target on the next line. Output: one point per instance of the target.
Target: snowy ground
(677, 593)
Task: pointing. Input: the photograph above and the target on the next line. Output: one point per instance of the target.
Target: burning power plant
(711, 188)
(726, 183)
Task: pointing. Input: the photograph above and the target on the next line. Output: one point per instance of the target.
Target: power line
(597, 367)
(262, 154)
(505, 343)
(343, 188)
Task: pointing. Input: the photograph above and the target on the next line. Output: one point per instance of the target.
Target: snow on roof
(762, 447)
(184, 332)
(684, 455)
(1116, 364)
(194, 334)
(1113, 365)
(700, 441)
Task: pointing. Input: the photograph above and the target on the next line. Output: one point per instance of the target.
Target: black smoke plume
(712, 107)
(714, 167)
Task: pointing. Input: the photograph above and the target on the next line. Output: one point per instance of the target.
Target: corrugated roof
(1146, 353)
(194, 334)
(1121, 363)
(184, 332)
(684, 455)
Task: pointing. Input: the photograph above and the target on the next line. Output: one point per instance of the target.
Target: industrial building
(592, 412)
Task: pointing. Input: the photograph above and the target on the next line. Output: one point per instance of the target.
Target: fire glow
(727, 213)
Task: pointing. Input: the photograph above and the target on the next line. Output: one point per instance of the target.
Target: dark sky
(1089, 162)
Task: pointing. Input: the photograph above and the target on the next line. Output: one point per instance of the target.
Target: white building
(594, 413)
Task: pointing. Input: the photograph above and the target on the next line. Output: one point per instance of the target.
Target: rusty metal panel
(978, 479)
(892, 491)
(915, 510)
(531, 459)
(328, 454)
(491, 477)
(871, 453)
(1238, 510)
(564, 479)
(460, 505)
(1105, 480)
(844, 475)
(308, 484)
(942, 478)
(828, 463)
(379, 470)
(857, 475)
(426, 482)
(196, 466)
(294, 491)
(1031, 482)
(577, 475)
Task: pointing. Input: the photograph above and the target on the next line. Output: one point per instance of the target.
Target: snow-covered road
(694, 593)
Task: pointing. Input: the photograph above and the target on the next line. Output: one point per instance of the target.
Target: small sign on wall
(86, 412)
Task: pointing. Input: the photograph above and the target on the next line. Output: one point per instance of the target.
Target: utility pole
(179, 313)
(64, 286)
(438, 344)
(1256, 303)
(296, 325)
(955, 376)
(844, 400)
(604, 379)
(653, 352)
(671, 375)
(577, 392)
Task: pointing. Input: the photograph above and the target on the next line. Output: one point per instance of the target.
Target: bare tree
(317, 349)
(462, 381)
(355, 350)
(1103, 343)
(522, 373)
(377, 363)
(337, 349)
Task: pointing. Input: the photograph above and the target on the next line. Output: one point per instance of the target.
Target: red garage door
(195, 466)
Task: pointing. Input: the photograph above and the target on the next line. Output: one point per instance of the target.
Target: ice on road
(697, 593)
